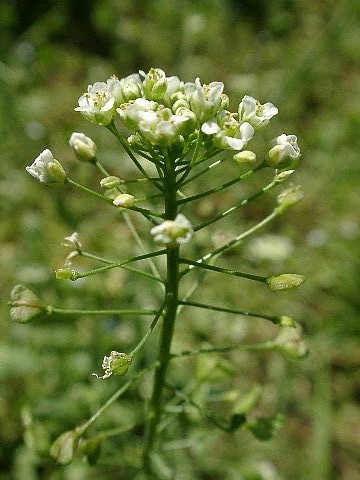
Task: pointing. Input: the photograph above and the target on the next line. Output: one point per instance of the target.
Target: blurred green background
(302, 56)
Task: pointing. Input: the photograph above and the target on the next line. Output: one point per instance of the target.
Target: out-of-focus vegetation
(302, 56)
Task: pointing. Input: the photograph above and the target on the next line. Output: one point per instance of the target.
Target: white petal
(210, 127)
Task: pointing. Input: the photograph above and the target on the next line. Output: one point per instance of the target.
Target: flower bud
(83, 147)
(117, 364)
(245, 157)
(110, 182)
(283, 176)
(64, 447)
(154, 84)
(173, 233)
(25, 305)
(284, 152)
(65, 274)
(46, 169)
(135, 141)
(204, 100)
(290, 341)
(289, 197)
(124, 200)
(72, 241)
(285, 281)
(179, 101)
(285, 321)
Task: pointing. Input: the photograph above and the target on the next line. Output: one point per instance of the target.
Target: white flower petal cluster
(227, 132)
(97, 105)
(170, 114)
(125, 89)
(251, 111)
(284, 151)
(205, 100)
(132, 112)
(157, 124)
(157, 86)
(46, 169)
(173, 233)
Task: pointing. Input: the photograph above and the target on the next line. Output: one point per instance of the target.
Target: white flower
(291, 342)
(131, 113)
(284, 152)
(173, 233)
(228, 132)
(162, 127)
(97, 105)
(83, 146)
(125, 89)
(72, 241)
(157, 86)
(205, 100)
(46, 169)
(154, 83)
(250, 110)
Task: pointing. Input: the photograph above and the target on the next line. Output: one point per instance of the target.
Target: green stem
(222, 187)
(183, 182)
(139, 241)
(144, 211)
(236, 207)
(273, 318)
(226, 271)
(131, 226)
(78, 275)
(171, 304)
(249, 347)
(63, 311)
(149, 332)
(113, 398)
(125, 267)
(235, 241)
(111, 127)
(88, 190)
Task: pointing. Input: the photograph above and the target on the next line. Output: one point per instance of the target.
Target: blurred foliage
(302, 56)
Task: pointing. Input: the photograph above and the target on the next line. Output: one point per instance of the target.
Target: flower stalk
(175, 127)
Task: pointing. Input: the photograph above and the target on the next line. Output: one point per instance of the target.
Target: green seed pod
(285, 281)
(25, 305)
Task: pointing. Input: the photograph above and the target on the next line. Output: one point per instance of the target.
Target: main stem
(171, 305)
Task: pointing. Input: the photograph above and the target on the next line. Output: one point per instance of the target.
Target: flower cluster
(166, 112)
